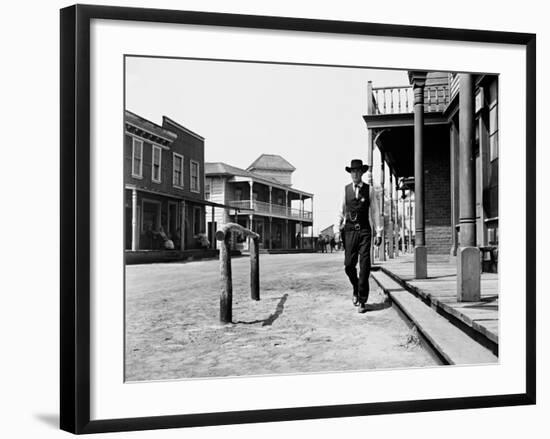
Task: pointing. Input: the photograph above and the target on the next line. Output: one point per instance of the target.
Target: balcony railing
(400, 100)
(279, 210)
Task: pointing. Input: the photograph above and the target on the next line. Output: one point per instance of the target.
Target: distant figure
(359, 202)
(321, 243)
(298, 239)
(332, 244)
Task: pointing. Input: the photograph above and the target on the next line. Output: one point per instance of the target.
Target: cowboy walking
(359, 202)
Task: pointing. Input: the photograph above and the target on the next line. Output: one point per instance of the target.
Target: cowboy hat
(357, 164)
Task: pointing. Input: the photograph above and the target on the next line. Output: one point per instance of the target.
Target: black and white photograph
(275, 219)
(288, 218)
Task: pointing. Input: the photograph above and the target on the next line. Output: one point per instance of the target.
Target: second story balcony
(272, 209)
(400, 99)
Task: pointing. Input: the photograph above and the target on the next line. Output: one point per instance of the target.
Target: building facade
(164, 185)
(417, 129)
(263, 200)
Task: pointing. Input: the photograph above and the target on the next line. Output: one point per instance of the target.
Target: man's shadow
(378, 306)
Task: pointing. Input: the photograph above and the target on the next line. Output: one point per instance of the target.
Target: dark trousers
(357, 246)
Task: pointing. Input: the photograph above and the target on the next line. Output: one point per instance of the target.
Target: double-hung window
(156, 164)
(195, 178)
(177, 170)
(137, 158)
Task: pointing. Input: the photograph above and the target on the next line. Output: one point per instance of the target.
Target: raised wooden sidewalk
(479, 319)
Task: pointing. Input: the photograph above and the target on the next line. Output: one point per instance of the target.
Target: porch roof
(182, 198)
(397, 144)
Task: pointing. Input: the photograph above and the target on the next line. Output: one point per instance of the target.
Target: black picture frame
(75, 217)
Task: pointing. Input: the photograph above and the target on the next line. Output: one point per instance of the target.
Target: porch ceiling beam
(379, 121)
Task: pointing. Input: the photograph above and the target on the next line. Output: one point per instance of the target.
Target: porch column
(418, 80)
(454, 187)
(397, 230)
(183, 233)
(368, 177)
(251, 227)
(270, 200)
(410, 223)
(285, 239)
(251, 183)
(134, 220)
(468, 262)
(482, 180)
(370, 134)
(403, 246)
(213, 226)
(390, 231)
(270, 231)
(382, 249)
(286, 203)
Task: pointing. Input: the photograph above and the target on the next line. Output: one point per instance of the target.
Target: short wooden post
(226, 297)
(255, 269)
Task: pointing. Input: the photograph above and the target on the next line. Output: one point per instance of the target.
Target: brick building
(164, 185)
(421, 123)
(263, 200)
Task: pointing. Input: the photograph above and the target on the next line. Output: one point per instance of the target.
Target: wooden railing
(226, 296)
(400, 100)
(272, 209)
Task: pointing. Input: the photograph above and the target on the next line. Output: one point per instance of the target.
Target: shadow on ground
(272, 317)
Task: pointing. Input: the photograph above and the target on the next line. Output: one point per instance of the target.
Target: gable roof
(220, 168)
(272, 162)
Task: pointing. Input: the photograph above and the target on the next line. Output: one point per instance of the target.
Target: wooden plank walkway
(452, 344)
(440, 290)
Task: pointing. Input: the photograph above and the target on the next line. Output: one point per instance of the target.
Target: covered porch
(431, 139)
(276, 212)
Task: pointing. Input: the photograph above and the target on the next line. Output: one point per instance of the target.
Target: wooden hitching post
(226, 297)
(255, 269)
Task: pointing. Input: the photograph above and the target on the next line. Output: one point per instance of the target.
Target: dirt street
(304, 322)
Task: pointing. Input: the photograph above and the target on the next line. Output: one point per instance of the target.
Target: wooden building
(440, 135)
(263, 200)
(164, 185)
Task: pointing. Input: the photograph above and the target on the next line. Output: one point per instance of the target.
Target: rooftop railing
(400, 100)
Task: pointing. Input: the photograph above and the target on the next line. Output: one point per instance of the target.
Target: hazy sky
(312, 116)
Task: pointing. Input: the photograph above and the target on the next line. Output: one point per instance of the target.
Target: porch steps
(475, 318)
(451, 343)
